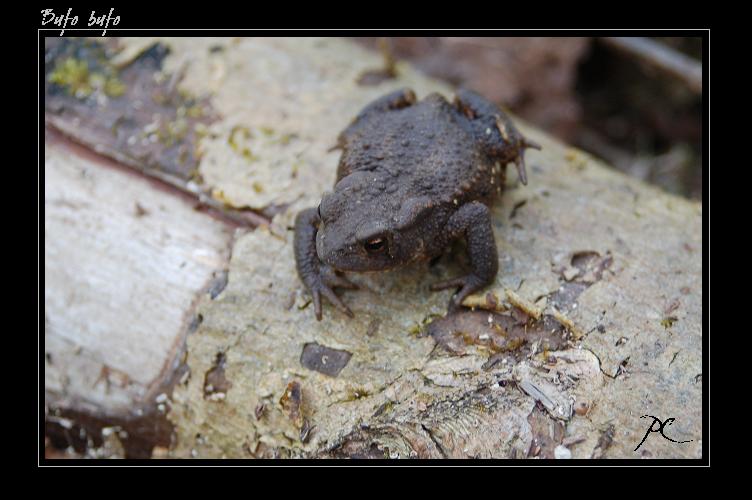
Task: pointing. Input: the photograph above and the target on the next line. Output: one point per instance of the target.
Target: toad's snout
(329, 251)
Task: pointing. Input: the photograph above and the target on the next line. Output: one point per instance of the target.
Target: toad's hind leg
(473, 222)
(394, 100)
(475, 106)
(497, 134)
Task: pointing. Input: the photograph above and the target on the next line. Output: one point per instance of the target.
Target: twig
(661, 57)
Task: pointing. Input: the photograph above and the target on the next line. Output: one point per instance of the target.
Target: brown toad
(413, 177)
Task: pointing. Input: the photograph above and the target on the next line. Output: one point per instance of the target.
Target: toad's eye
(375, 245)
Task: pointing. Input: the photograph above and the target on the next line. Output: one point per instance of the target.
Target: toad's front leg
(318, 277)
(473, 222)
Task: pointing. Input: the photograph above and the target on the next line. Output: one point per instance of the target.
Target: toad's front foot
(323, 284)
(319, 278)
(473, 222)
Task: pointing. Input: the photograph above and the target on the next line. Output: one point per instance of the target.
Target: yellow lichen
(220, 196)
(668, 322)
(238, 135)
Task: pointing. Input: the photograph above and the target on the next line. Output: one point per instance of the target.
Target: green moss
(113, 87)
(177, 129)
(191, 110)
(73, 75)
(669, 321)
(418, 329)
(79, 81)
(195, 111)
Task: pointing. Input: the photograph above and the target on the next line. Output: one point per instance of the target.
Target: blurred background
(634, 102)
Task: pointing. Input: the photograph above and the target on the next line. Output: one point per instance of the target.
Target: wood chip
(517, 301)
(567, 323)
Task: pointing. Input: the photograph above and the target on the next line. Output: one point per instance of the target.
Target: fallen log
(595, 318)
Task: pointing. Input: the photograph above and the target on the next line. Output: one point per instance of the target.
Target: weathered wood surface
(125, 262)
(611, 269)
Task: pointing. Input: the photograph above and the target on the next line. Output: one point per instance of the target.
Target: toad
(413, 176)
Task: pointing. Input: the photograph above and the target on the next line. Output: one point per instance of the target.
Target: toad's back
(427, 148)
